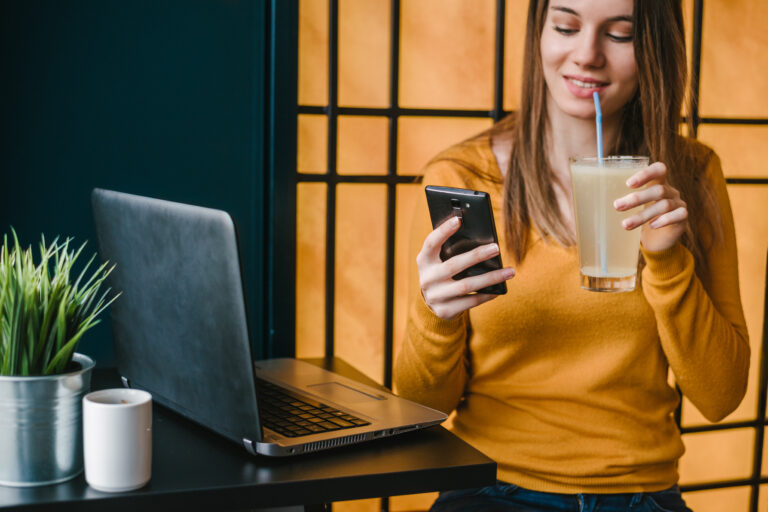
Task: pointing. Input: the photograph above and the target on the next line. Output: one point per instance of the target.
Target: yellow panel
(362, 145)
(310, 269)
(360, 269)
(370, 505)
(419, 139)
(313, 52)
(734, 499)
(312, 144)
(762, 503)
(412, 502)
(406, 200)
(364, 40)
(516, 12)
(716, 456)
(447, 53)
(743, 149)
(749, 204)
(688, 21)
(764, 465)
(734, 63)
(687, 6)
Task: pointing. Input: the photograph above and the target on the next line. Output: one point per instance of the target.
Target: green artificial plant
(44, 314)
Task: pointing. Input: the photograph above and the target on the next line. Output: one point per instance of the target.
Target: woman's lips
(584, 87)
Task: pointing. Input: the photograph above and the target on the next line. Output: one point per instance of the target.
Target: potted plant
(44, 314)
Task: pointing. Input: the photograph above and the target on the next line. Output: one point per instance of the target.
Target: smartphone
(473, 207)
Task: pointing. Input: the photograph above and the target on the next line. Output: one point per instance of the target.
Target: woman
(567, 389)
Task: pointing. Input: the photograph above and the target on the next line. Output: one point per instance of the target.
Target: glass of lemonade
(608, 253)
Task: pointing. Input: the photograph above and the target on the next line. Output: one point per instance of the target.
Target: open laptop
(180, 332)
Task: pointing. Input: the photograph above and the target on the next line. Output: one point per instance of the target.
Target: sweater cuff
(433, 323)
(668, 263)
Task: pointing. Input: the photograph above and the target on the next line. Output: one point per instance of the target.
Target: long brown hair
(649, 126)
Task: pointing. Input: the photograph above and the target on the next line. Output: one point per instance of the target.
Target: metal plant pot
(41, 426)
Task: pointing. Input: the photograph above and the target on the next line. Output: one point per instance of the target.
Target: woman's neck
(568, 136)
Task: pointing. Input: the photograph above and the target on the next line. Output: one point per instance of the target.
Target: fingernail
(626, 224)
(618, 204)
(455, 221)
(654, 224)
(631, 182)
(492, 249)
(508, 272)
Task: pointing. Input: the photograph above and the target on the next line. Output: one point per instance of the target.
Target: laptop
(180, 332)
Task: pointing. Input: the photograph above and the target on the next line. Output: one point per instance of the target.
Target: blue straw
(599, 123)
(601, 220)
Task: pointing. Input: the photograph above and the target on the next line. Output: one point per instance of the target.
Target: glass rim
(611, 158)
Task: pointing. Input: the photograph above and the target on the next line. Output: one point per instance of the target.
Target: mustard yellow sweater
(568, 389)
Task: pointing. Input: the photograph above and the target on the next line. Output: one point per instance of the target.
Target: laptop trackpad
(339, 393)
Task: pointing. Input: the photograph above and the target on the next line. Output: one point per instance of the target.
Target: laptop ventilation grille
(322, 445)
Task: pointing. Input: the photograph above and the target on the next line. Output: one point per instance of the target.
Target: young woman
(565, 388)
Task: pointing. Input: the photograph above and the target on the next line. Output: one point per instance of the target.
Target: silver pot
(41, 426)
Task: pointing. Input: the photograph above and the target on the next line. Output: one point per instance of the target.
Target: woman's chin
(580, 113)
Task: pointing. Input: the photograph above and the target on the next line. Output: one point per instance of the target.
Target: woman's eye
(620, 39)
(565, 31)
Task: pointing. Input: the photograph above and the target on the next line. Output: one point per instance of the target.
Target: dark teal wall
(154, 97)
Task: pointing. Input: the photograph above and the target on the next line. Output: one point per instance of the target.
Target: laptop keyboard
(294, 415)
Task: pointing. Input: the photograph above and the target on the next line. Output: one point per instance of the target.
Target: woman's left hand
(665, 216)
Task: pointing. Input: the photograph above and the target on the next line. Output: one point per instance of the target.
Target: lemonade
(607, 252)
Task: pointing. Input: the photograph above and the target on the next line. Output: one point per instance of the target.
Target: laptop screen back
(180, 328)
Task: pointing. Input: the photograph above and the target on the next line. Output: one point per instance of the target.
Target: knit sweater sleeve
(431, 365)
(700, 321)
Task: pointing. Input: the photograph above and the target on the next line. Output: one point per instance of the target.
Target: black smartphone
(477, 228)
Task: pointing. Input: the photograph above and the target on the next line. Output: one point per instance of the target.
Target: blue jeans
(504, 497)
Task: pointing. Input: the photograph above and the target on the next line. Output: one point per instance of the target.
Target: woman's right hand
(446, 297)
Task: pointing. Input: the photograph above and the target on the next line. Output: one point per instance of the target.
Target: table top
(197, 469)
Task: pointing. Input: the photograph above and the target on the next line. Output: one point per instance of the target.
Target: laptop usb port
(403, 429)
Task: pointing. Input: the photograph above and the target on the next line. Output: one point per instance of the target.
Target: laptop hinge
(126, 382)
(249, 446)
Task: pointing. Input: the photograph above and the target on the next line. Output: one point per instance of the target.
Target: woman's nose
(588, 51)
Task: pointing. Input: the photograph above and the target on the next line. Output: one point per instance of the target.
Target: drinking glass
(608, 253)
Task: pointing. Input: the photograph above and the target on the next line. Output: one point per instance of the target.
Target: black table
(195, 469)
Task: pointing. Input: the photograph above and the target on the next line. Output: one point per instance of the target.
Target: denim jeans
(504, 497)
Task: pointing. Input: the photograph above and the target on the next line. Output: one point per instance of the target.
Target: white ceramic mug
(117, 439)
